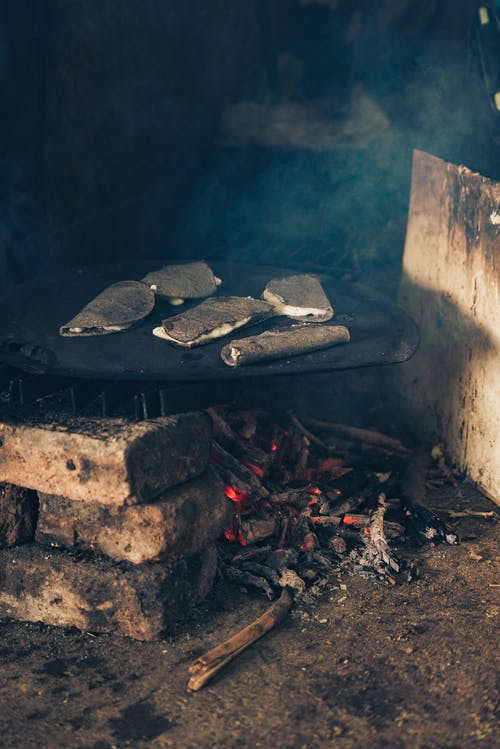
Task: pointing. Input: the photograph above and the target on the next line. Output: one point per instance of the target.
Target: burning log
(208, 665)
(229, 466)
(231, 442)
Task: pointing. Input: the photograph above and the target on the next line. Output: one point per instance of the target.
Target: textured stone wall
(450, 390)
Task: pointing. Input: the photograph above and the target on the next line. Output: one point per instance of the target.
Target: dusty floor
(367, 666)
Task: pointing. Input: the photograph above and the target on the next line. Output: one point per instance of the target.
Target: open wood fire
(312, 504)
(111, 535)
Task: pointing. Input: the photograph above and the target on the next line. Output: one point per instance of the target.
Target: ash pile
(315, 499)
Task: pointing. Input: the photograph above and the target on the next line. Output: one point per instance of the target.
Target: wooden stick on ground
(471, 514)
(205, 667)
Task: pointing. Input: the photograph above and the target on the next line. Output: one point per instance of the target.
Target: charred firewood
(364, 436)
(310, 436)
(225, 462)
(376, 555)
(244, 556)
(232, 443)
(281, 558)
(302, 460)
(258, 529)
(391, 529)
(236, 489)
(261, 570)
(428, 525)
(237, 575)
(243, 422)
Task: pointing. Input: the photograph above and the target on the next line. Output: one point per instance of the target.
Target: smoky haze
(280, 133)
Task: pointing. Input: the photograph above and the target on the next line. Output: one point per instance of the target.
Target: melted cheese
(218, 332)
(289, 311)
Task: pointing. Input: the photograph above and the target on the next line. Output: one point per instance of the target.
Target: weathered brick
(109, 461)
(180, 522)
(18, 513)
(96, 595)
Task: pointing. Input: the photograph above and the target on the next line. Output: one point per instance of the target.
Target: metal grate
(33, 394)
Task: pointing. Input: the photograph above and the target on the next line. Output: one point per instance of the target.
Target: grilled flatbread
(277, 344)
(179, 282)
(212, 319)
(113, 310)
(300, 297)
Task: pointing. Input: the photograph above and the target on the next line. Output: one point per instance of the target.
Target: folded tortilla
(300, 297)
(115, 309)
(179, 282)
(278, 344)
(212, 319)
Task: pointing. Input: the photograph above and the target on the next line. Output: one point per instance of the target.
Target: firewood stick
(364, 435)
(209, 664)
(310, 436)
(231, 442)
(471, 514)
(227, 461)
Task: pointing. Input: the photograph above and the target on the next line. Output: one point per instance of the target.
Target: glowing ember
(240, 498)
(335, 466)
(255, 469)
(274, 447)
(234, 534)
(309, 542)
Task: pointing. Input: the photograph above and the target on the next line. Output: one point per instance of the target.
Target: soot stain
(139, 721)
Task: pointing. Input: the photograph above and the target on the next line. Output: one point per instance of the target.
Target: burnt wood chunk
(96, 595)
(18, 513)
(113, 310)
(109, 461)
(277, 344)
(213, 318)
(179, 523)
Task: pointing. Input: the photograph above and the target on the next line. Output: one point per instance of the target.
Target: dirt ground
(367, 665)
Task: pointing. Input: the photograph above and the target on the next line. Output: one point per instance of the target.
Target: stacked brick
(106, 525)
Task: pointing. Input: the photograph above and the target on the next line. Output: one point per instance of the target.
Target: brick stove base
(134, 510)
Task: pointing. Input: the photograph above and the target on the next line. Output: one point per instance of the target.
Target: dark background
(270, 131)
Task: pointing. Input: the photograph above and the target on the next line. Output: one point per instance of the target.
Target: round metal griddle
(31, 314)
